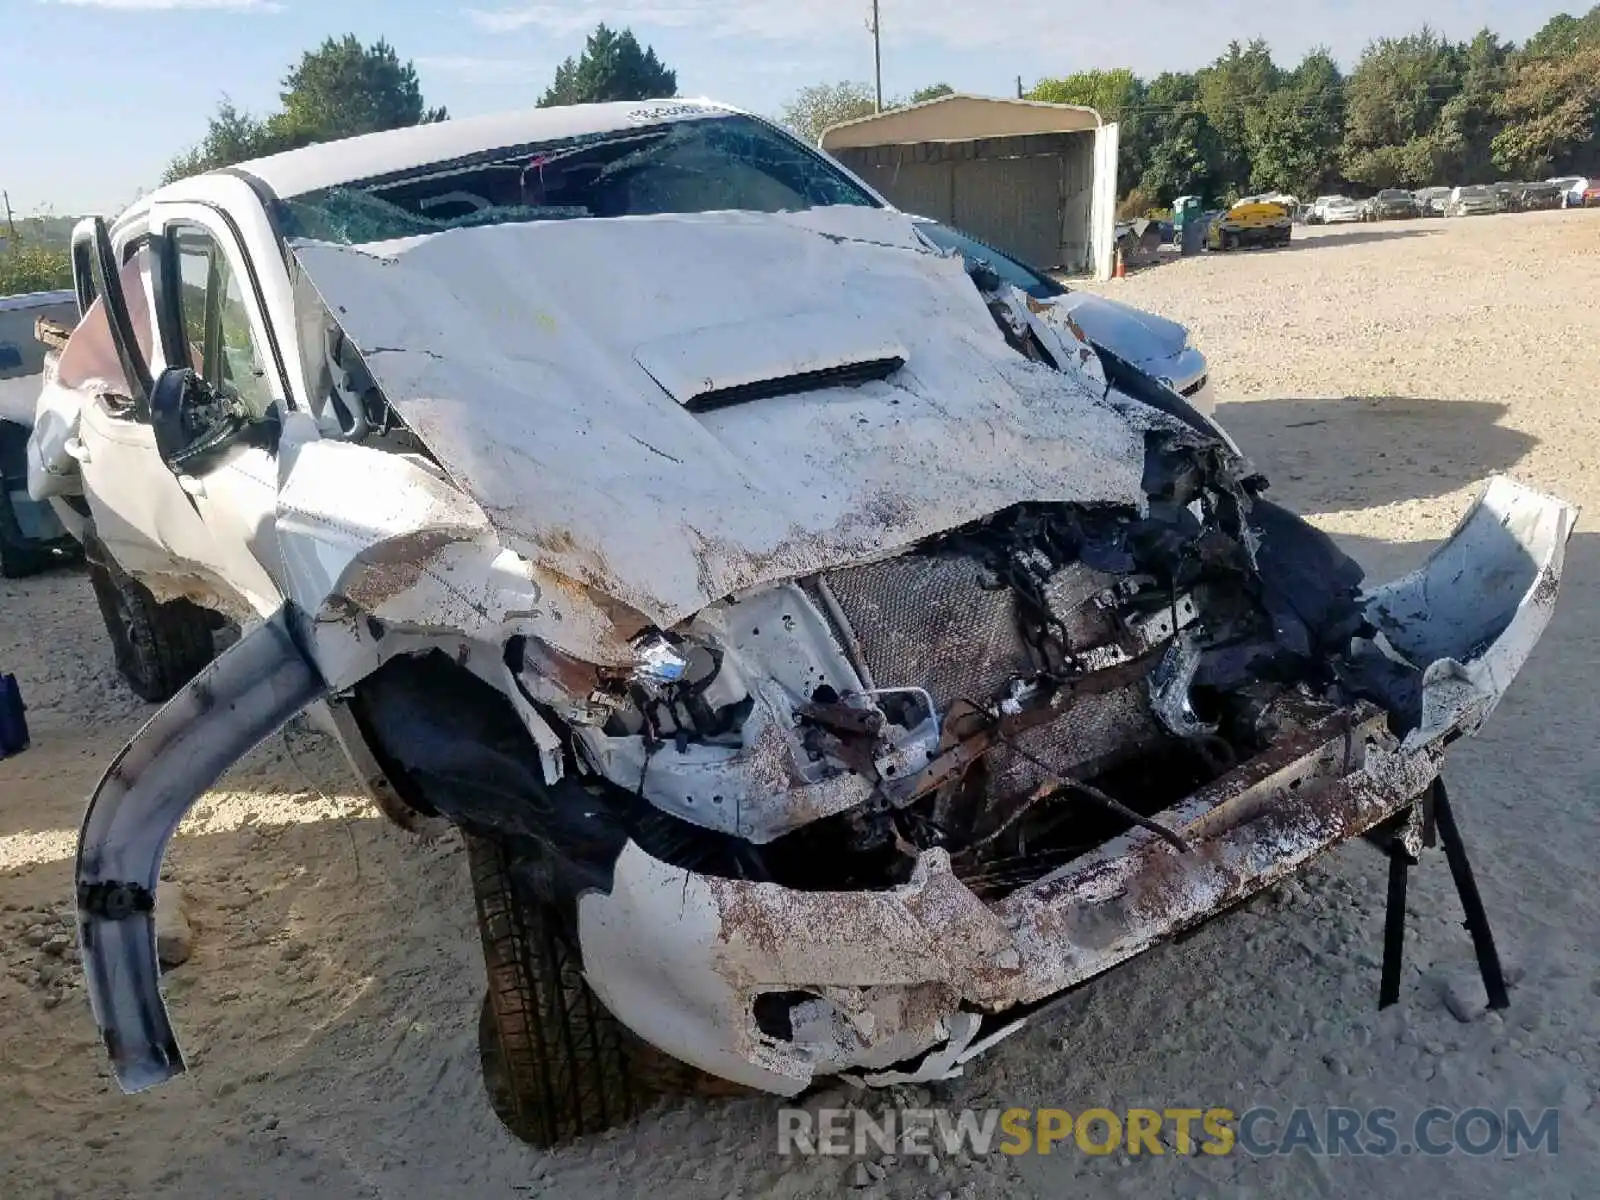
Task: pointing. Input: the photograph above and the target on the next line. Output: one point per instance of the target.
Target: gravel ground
(328, 1009)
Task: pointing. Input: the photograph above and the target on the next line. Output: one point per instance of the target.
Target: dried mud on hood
(515, 353)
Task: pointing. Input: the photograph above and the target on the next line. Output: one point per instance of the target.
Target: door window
(216, 322)
(91, 354)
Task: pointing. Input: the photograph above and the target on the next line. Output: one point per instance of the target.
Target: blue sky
(96, 95)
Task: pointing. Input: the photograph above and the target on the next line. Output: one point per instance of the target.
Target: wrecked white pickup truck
(828, 656)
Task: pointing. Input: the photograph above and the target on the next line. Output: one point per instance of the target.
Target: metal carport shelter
(1036, 180)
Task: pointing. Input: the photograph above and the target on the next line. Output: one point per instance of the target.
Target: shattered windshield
(706, 165)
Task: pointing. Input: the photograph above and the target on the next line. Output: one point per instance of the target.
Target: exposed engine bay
(1014, 692)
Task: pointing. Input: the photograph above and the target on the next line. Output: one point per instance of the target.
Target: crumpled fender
(1470, 615)
(240, 699)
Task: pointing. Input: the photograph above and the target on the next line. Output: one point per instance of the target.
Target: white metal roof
(959, 117)
(296, 172)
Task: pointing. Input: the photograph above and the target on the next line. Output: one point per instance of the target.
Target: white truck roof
(373, 155)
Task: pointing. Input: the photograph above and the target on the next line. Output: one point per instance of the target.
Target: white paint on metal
(510, 350)
(1472, 613)
(1103, 200)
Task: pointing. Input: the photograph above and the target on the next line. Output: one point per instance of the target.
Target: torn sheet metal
(1474, 611)
(243, 697)
(386, 536)
(510, 350)
(717, 944)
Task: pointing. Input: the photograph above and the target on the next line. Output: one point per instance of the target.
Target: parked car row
(1571, 191)
(1334, 210)
(1577, 191)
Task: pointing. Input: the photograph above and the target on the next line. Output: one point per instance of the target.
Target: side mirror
(192, 424)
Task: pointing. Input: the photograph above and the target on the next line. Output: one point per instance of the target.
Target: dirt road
(329, 1008)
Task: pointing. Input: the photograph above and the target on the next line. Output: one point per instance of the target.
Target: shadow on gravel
(1355, 237)
(1366, 451)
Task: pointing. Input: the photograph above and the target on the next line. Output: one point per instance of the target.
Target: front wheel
(158, 647)
(556, 1064)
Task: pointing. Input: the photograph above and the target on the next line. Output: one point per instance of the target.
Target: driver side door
(207, 534)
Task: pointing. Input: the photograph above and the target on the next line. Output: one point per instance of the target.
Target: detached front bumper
(864, 981)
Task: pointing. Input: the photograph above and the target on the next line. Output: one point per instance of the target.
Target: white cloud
(584, 15)
(258, 6)
(958, 23)
(1068, 35)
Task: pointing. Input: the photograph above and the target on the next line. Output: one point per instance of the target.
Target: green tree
(1565, 34)
(813, 109)
(1295, 140)
(1393, 101)
(27, 267)
(338, 90)
(1110, 93)
(1234, 91)
(1550, 108)
(342, 89)
(1552, 114)
(231, 137)
(613, 66)
(932, 92)
(1183, 151)
(1470, 120)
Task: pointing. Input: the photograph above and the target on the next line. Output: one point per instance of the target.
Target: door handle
(75, 448)
(192, 484)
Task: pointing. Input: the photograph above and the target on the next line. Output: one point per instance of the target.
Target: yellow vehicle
(1250, 223)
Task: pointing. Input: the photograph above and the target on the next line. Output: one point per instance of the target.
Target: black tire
(553, 1058)
(158, 647)
(556, 1064)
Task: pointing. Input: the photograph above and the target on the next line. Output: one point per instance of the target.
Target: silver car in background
(1572, 189)
(1471, 202)
(1157, 346)
(1431, 201)
(1332, 210)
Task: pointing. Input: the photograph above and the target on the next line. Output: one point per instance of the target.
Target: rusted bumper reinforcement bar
(899, 972)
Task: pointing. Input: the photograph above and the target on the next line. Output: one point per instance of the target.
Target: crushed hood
(549, 367)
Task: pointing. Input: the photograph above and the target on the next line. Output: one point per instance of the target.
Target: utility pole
(877, 59)
(1019, 87)
(11, 226)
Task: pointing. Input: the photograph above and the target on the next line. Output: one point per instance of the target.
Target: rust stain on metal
(396, 565)
(1545, 589)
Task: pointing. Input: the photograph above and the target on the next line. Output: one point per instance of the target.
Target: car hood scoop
(746, 361)
(672, 409)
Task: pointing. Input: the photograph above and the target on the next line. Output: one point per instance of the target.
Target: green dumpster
(1188, 227)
